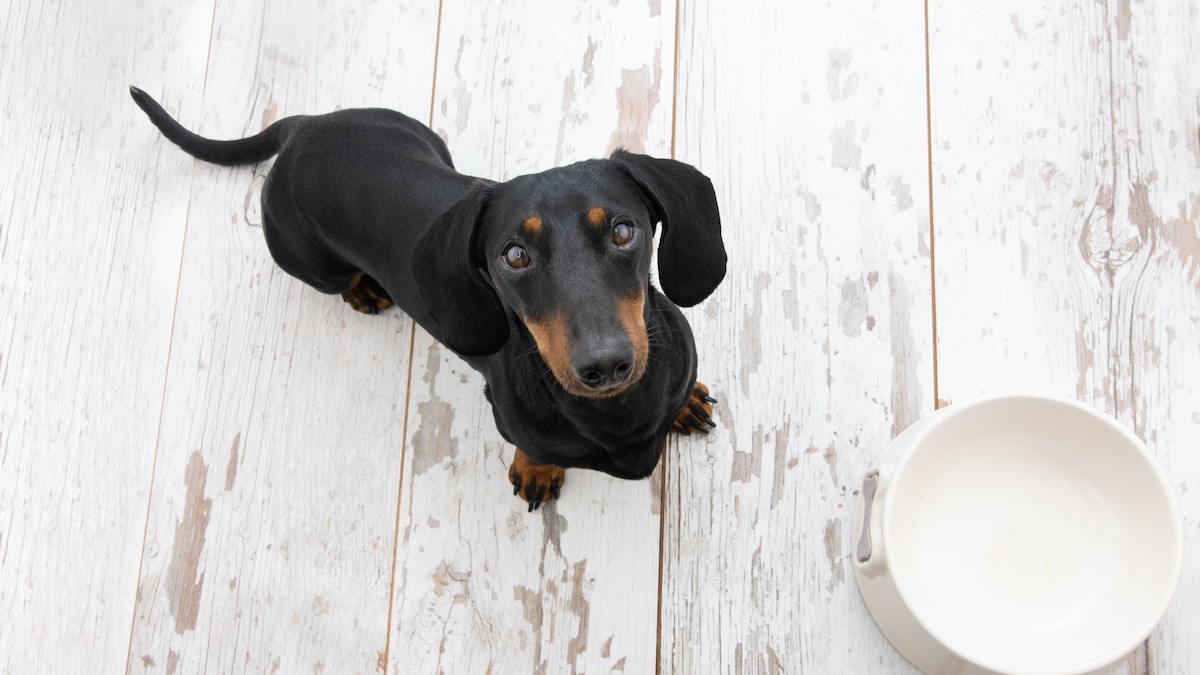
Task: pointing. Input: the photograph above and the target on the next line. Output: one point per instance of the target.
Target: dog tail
(250, 150)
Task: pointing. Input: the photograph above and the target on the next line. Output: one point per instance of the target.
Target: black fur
(374, 191)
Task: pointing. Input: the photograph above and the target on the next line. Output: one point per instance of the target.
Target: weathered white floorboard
(810, 118)
(91, 230)
(1066, 206)
(271, 533)
(481, 585)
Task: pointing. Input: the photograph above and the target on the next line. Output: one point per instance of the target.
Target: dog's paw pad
(697, 412)
(366, 295)
(535, 483)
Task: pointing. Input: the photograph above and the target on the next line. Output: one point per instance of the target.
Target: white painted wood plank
(271, 534)
(91, 233)
(481, 585)
(810, 118)
(1067, 161)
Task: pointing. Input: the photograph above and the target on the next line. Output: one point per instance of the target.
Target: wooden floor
(206, 466)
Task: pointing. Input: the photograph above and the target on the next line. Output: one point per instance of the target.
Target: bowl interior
(1032, 535)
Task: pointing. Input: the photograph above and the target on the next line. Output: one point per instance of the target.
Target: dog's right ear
(448, 270)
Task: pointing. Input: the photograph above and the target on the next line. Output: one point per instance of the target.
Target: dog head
(567, 252)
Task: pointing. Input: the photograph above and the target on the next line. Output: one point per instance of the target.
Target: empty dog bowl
(1017, 534)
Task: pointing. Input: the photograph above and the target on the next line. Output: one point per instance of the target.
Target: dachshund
(541, 283)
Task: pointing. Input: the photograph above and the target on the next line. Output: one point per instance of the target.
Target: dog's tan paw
(697, 413)
(535, 483)
(366, 295)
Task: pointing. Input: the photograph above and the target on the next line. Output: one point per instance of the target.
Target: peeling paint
(791, 299)
(1193, 139)
(183, 587)
(833, 553)
(781, 461)
(637, 97)
(852, 310)
(1183, 234)
(751, 340)
(320, 606)
(581, 608)
(839, 59)
(1085, 361)
(433, 364)
(906, 387)
(865, 181)
(232, 467)
(568, 116)
(812, 207)
(553, 526)
(831, 459)
(531, 606)
(845, 153)
(462, 93)
(1123, 19)
(1021, 35)
(656, 489)
(902, 192)
(588, 69)
(172, 662)
(748, 464)
(434, 441)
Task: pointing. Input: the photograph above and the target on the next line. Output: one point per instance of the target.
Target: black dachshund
(541, 283)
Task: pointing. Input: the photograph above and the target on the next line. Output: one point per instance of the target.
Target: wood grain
(91, 231)
(1066, 161)
(810, 119)
(481, 585)
(271, 534)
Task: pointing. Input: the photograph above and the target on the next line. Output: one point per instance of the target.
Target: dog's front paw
(535, 483)
(697, 413)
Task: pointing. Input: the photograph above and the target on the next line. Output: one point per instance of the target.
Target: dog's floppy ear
(447, 269)
(691, 254)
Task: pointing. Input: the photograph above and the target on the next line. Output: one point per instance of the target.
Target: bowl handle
(869, 553)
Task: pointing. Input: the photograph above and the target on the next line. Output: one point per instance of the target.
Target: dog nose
(606, 367)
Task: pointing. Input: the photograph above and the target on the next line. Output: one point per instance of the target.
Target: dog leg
(535, 483)
(366, 295)
(697, 413)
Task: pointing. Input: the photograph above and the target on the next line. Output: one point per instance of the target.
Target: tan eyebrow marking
(532, 224)
(597, 216)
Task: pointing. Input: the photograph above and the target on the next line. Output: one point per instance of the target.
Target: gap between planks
(412, 341)
(937, 400)
(662, 488)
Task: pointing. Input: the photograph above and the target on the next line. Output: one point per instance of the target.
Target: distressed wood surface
(91, 231)
(1066, 206)
(481, 585)
(303, 511)
(819, 343)
(272, 521)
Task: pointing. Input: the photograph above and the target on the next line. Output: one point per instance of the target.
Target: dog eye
(622, 234)
(516, 257)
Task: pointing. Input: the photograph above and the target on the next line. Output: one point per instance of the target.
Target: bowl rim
(1171, 580)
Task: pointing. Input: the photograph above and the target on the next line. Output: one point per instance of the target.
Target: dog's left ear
(691, 253)
(447, 267)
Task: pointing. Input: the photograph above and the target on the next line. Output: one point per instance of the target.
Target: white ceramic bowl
(1017, 534)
